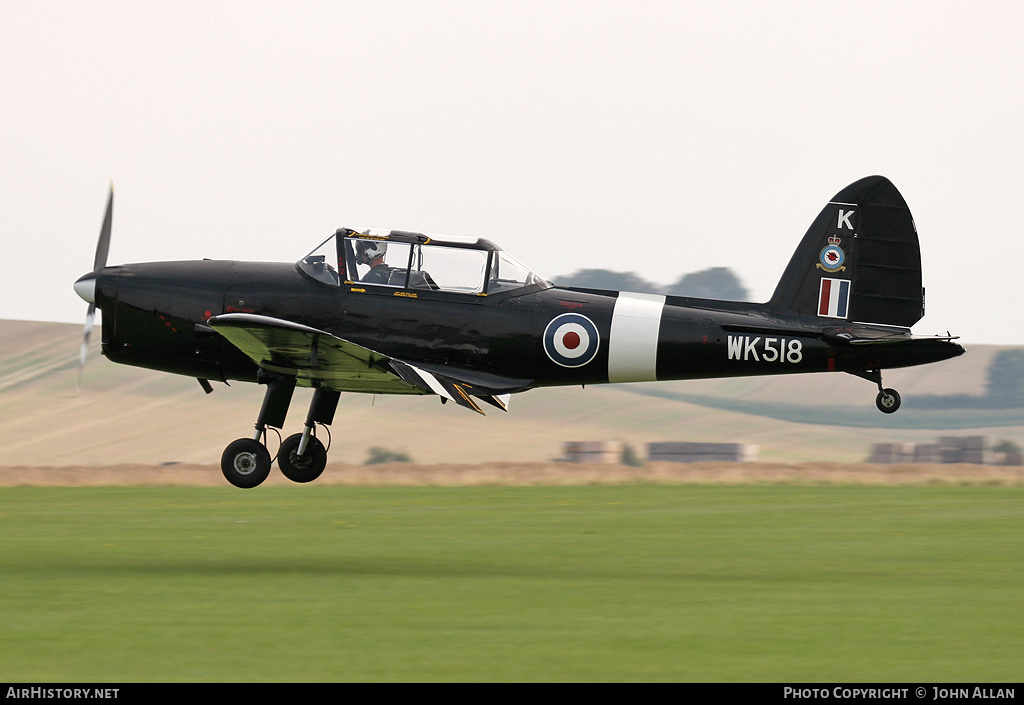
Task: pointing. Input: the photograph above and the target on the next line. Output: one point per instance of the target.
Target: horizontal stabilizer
(903, 340)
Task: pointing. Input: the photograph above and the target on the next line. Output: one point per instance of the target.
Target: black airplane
(395, 312)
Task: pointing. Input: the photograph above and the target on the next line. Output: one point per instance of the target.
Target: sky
(659, 138)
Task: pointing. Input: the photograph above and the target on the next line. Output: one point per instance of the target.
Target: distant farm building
(947, 449)
(609, 452)
(701, 453)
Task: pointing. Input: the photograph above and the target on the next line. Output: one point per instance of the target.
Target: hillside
(125, 415)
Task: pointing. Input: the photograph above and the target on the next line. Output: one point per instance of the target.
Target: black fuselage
(154, 316)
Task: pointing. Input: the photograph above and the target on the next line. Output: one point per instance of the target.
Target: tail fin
(859, 261)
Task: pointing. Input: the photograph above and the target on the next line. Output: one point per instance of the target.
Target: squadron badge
(831, 257)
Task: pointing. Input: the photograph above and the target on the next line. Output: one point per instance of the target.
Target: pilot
(371, 252)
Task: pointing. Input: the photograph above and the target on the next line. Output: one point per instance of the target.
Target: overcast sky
(655, 137)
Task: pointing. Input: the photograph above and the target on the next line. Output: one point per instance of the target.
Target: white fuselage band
(633, 343)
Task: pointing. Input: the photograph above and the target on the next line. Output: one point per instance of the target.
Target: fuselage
(154, 316)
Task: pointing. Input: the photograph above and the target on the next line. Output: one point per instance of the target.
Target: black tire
(245, 463)
(888, 401)
(302, 468)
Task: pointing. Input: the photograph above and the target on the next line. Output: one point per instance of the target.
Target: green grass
(595, 583)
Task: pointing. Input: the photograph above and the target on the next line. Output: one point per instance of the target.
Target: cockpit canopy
(404, 260)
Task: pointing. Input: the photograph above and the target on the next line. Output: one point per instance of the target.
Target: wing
(319, 358)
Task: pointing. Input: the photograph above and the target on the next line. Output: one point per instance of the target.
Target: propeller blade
(84, 351)
(103, 246)
(99, 262)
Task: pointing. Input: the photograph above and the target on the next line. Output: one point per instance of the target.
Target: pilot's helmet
(369, 250)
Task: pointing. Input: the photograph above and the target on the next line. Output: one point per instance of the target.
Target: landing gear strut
(888, 400)
(302, 457)
(246, 462)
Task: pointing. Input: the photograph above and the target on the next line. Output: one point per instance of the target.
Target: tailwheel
(888, 401)
(302, 468)
(245, 463)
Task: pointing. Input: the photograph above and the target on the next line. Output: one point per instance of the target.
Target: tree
(714, 283)
(1005, 446)
(607, 279)
(380, 455)
(630, 456)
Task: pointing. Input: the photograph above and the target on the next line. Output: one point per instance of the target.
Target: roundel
(571, 340)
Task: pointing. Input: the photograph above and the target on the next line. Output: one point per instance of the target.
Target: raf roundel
(571, 340)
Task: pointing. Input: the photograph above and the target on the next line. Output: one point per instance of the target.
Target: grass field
(693, 583)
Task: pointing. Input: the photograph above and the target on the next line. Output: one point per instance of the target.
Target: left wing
(319, 358)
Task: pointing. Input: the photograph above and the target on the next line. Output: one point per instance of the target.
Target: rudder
(859, 261)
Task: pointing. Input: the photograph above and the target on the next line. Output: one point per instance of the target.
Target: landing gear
(245, 463)
(888, 400)
(302, 457)
(305, 467)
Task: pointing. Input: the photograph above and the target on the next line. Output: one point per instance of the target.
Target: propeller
(86, 285)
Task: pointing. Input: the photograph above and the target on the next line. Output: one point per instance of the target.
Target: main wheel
(245, 463)
(887, 401)
(302, 468)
